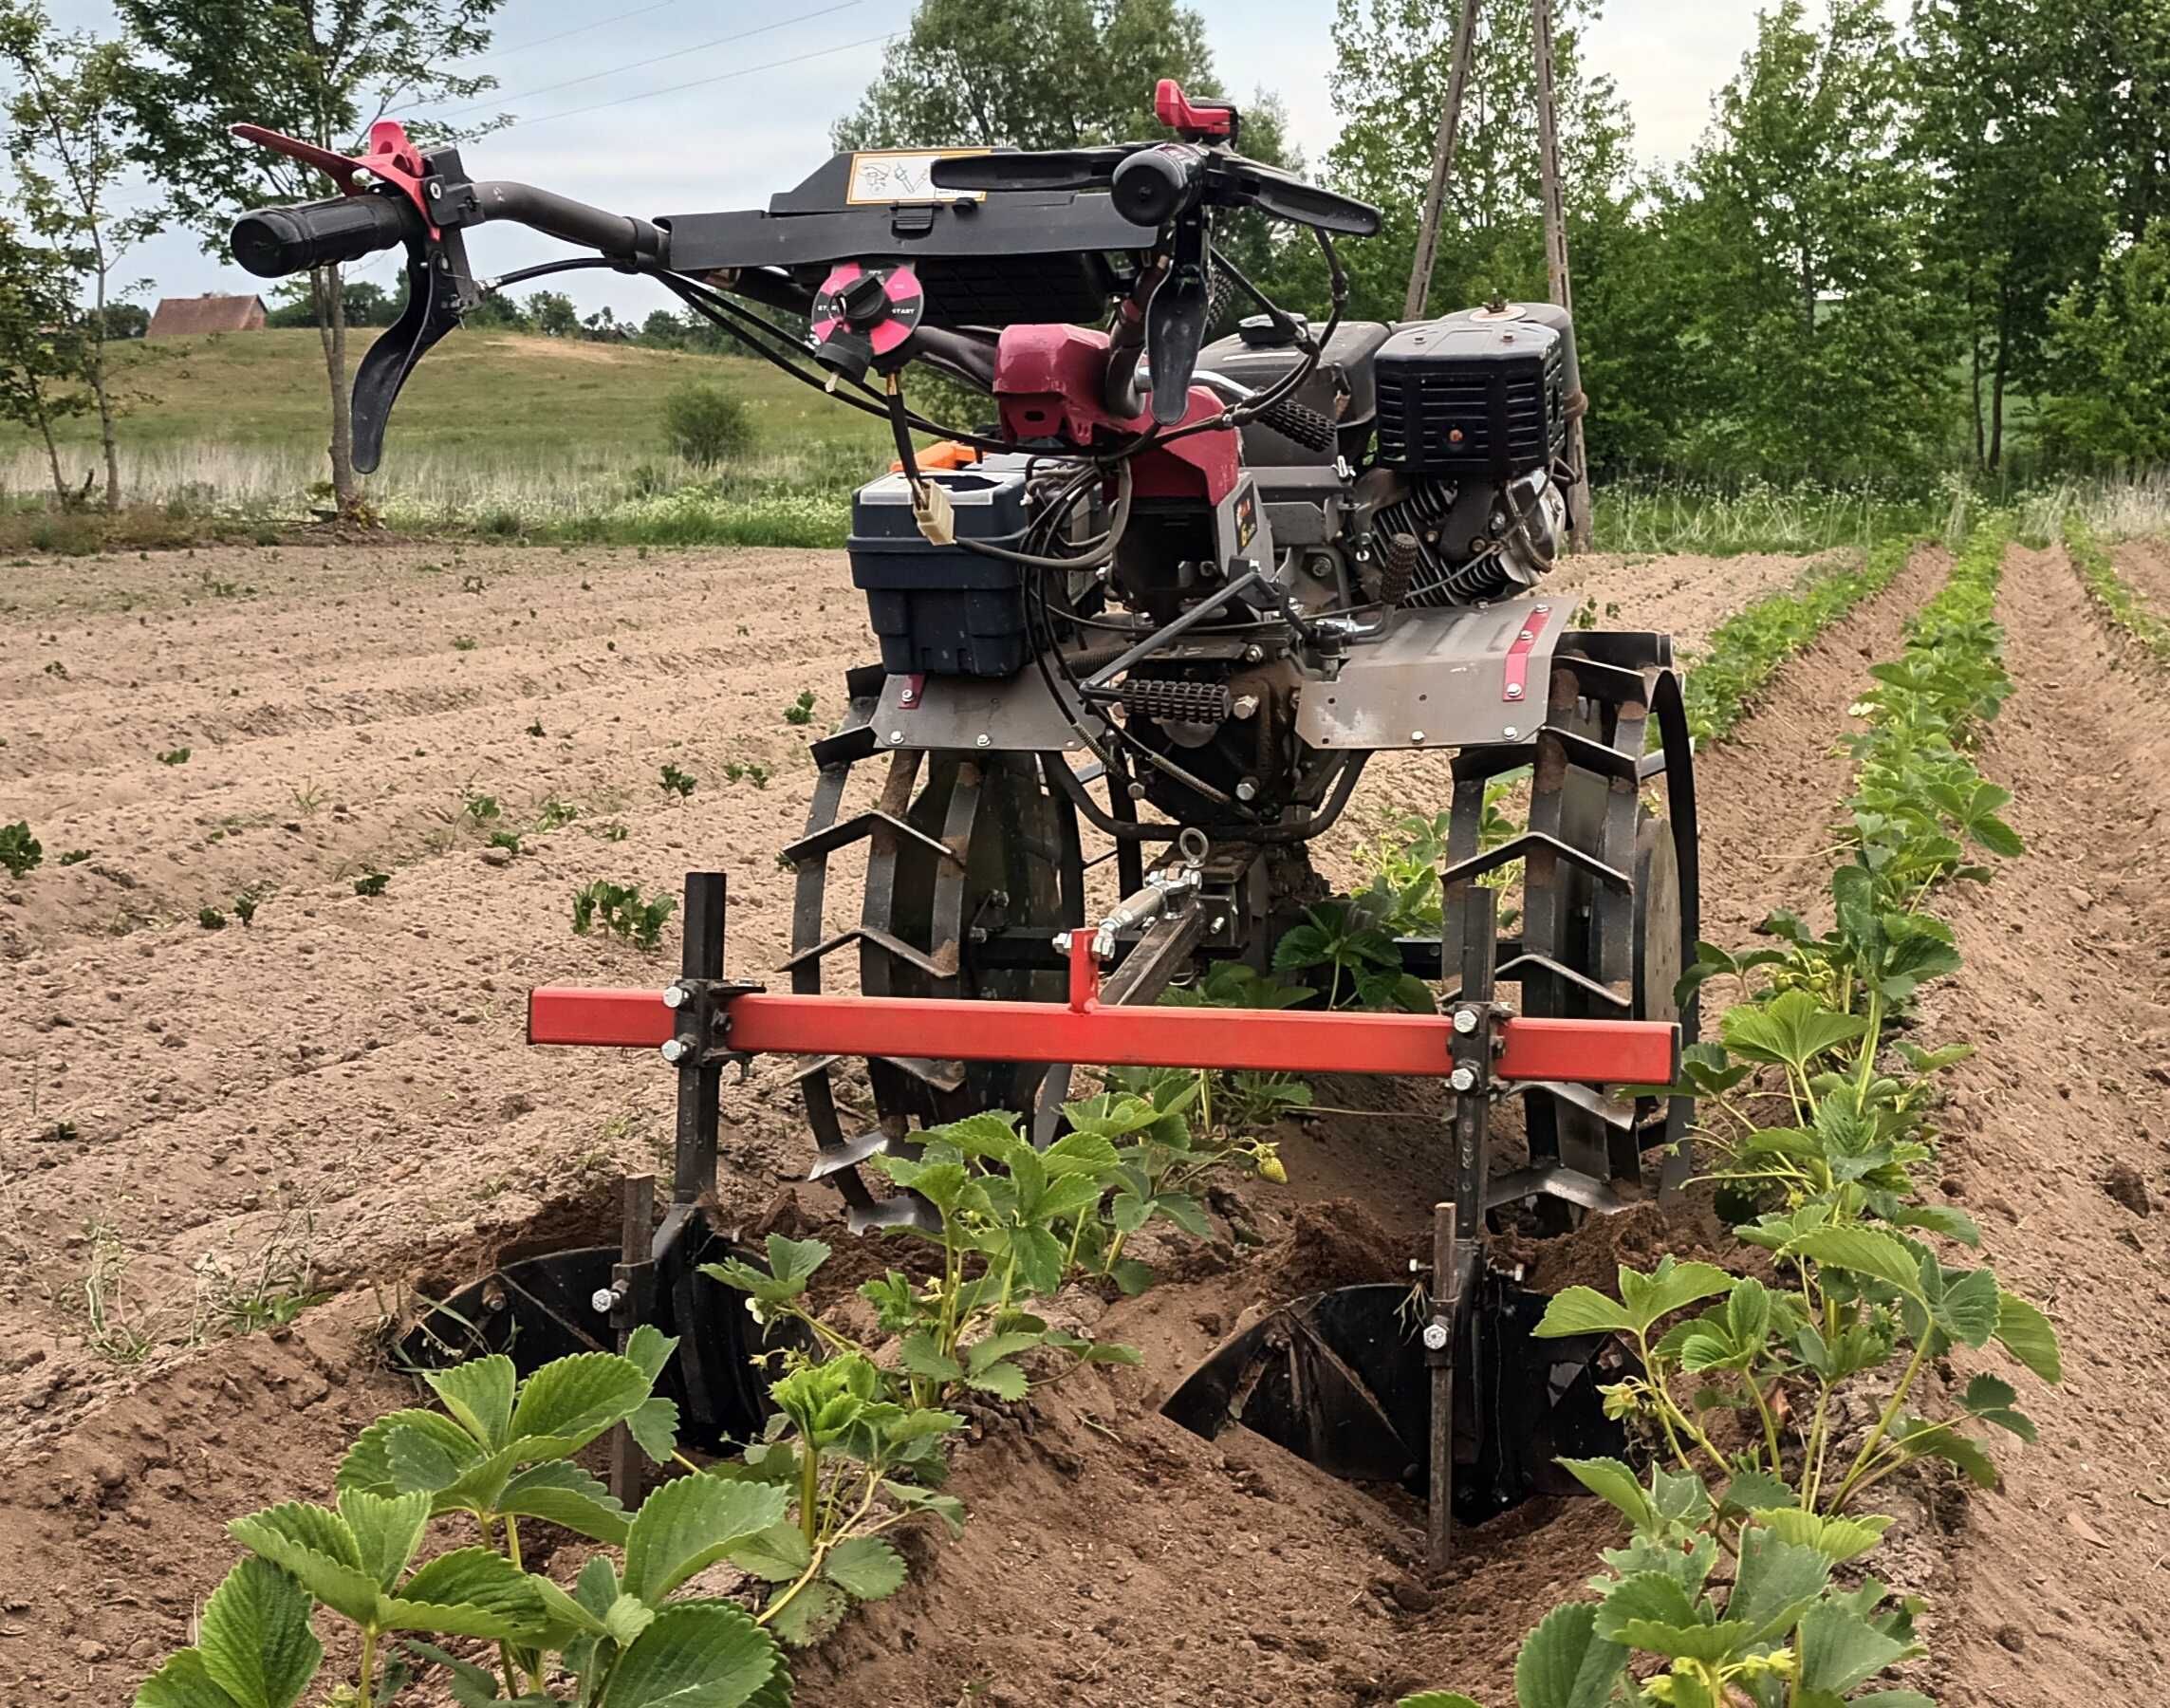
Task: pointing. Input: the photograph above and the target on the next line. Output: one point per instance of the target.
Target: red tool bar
(1613, 1052)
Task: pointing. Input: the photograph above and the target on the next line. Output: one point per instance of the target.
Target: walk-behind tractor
(1165, 603)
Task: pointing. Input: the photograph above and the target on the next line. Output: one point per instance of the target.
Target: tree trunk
(1981, 456)
(52, 452)
(95, 371)
(1998, 381)
(329, 293)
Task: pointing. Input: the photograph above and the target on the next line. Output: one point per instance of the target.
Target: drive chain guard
(1340, 1379)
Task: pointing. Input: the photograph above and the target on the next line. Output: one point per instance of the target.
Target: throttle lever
(1176, 320)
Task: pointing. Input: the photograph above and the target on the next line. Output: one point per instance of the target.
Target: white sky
(754, 124)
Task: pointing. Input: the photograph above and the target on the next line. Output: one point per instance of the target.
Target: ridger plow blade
(1351, 1379)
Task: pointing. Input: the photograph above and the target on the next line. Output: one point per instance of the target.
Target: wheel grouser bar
(753, 1022)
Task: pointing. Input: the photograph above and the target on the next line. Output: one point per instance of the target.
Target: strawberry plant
(1816, 1118)
(2126, 609)
(20, 852)
(210, 918)
(1350, 939)
(371, 883)
(801, 711)
(73, 857)
(480, 808)
(507, 840)
(623, 912)
(677, 782)
(175, 756)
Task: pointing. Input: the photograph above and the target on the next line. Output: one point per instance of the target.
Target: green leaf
(1563, 1663)
(1584, 1311)
(922, 1356)
(1132, 1276)
(948, 1508)
(1709, 1642)
(695, 1655)
(1186, 1212)
(628, 1617)
(1864, 1251)
(254, 1643)
(1004, 1379)
(564, 1493)
(574, 1400)
(1613, 1482)
(996, 1346)
(470, 1684)
(1669, 1288)
(468, 1592)
(1944, 1443)
(1837, 1539)
(2025, 1333)
(1792, 1029)
(296, 1536)
(387, 1530)
(1840, 1650)
(650, 1349)
(479, 1394)
(1438, 1698)
(810, 1615)
(1962, 1303)
(1994, 1400)
(690, 1523)
(777, 1555)
(1648, 1597)
(368, 1463)
(1776, 1582)
(1089, 1154)
(572, 1612)
(1040, 1259)
(794, 1261)
(654, 1427)
(1942, 1218)
(182, 1682)
(866, 1568)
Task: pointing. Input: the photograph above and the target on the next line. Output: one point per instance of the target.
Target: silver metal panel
(997, 714)
(1439, 680)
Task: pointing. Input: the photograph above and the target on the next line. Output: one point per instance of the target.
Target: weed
(758, 775)
(57, 669)
(536, 729)
(464, 643)
(245, 905)
(612, 830)
(801, 711)
(554, 814)
(307, 799)
(64, 1132)
(371, 883)
(175, 756)
(480, 808)
(621, 911)
(507, 840)
(210, 918)
(115, 1329)
(270, 1292)
(677, 782)
(73, 857)
(20, 851)
(471, 584)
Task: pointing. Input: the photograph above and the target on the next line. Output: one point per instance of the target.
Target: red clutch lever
(392, 158)
(1194, 121)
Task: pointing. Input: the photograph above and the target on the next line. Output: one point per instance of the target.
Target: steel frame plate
(1441, 679)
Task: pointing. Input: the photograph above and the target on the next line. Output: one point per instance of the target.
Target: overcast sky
(668, 106)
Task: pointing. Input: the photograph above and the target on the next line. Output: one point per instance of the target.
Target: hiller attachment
(1368, 1344)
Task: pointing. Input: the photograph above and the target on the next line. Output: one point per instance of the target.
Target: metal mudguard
(1472, 676)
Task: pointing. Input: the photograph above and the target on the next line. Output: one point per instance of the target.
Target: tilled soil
(344, 1078)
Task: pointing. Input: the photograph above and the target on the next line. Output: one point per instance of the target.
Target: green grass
(498, 395)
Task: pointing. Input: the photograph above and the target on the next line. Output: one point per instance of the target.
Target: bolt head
(1247, 791)
(1511, 731)
(1515, 691)
(1416, 738)
(895, 737)
(984, 741)
(437, 192)
(676, 997)
(1434, 1337)
(1252, 655)
(601, 1300)
(1463, 1079)
(1465, 1021)
(675, 1051)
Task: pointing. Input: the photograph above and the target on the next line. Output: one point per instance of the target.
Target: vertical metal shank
(700, 1079)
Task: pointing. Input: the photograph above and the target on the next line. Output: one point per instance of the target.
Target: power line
(576, 29)
(699, 83)
(569, 82)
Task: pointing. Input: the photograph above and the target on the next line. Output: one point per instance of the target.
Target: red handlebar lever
(392, 160)
(1195, 122)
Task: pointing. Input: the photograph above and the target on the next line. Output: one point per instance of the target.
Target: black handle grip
(1049, 169)
(1299, 422)
(1155, 184)
(273, 242)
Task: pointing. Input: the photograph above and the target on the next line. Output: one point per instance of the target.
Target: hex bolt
(1515, 691)
(984, 741)
(675, 1051)
(1416, 738)
(437, 192)
(602, 1299)
(1511, 731)
(1464, 1079)
(676, 997)
(1247, 790)
(1436, 1337)
(895, 737)
(1062, 941)
(1254, 655)
(1465, 1021)
(1219, 921)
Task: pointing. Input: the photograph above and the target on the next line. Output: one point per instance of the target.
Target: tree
(318, 69)
(1033, 74)
(1819, 325)
(2109, 350)
(1389, 82)
(2022, 204)
(125, 321)
(554, 314)
(366, 304)
(38, 363)
(67, 136)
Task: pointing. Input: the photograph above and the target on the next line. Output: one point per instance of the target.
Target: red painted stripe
(1591, 1051)
(1514, 675)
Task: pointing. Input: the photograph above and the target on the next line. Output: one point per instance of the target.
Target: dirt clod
(2126, 1184)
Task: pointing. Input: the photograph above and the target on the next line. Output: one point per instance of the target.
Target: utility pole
(1560, 286)
(1443, 163)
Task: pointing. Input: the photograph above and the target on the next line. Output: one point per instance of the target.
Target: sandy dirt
(343, 1080)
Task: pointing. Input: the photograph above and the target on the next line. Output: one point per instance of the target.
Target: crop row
(1814, 1121)
(2124, 608)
